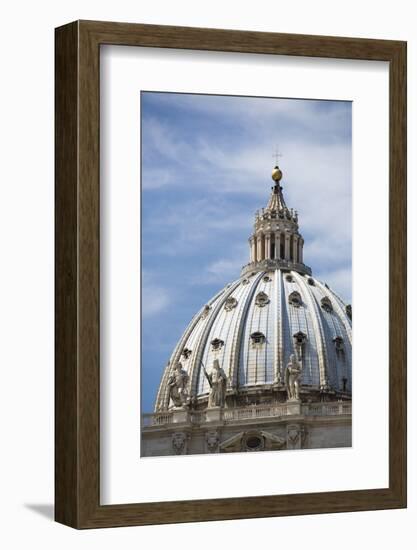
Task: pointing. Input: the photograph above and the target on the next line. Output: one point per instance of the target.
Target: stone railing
(326, 409)
(248, 413)
(256, 411)
(271, 264)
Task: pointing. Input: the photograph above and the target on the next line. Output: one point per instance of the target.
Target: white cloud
(155, 298)
(340, 281)
(316, 166)
(224, 268)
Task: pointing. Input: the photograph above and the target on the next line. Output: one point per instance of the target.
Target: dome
(252, 327)
(275, 309)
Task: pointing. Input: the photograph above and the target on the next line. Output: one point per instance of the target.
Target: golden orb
(276, 174)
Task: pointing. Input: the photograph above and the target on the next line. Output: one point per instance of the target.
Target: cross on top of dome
(276, 172)
(277, 154)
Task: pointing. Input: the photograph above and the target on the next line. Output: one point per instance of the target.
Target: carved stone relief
(212, 441)
(295, 436)
(179, 443)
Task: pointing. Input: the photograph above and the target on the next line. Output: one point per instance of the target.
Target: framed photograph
(230, 274)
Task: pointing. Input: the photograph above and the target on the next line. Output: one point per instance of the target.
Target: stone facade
(317, 425)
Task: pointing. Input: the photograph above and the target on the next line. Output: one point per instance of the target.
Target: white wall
(26, 290)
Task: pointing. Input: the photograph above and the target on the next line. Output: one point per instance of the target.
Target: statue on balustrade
(292, 377)
(217, 380)
(177, 385)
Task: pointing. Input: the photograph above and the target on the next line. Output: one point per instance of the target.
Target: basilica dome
(275, 309)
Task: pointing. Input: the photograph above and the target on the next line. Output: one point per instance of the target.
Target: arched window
(230, 303)
(349, 311)
(262, 299)
(300, 338)
(338, 344)
(326, 304)
(186, 353)
(295, 299)
(258, 338)
(217, 344)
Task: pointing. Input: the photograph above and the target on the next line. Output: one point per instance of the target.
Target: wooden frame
(77, 405)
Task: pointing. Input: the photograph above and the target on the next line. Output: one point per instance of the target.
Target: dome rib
(244, 352)
(238, 332)
(339, 309)
(315, 318)
(278, 344)
(195, 369)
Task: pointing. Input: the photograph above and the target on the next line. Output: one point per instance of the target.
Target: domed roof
(253, 326)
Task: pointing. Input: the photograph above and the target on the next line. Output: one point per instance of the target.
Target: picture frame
(77, 269)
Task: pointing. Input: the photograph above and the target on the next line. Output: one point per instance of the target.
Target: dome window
(289, 278)
(349, 311)
(267, 279)
(300, 338)
(186, 353)
(230, 303)
(338, 343)
(326, 304)
(245, 282)
(254, 442)
(310, 281)
(217, 344)
(258, 338)
(295, 299)
(206, 311)
(262, 299)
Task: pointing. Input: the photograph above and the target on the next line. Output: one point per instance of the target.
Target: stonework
(277, 344)
(318, 425)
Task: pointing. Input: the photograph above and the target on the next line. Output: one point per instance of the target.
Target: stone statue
(177, 384)
(217, 380)
(292, 375)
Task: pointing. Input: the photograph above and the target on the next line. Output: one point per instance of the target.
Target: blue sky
(206, 163)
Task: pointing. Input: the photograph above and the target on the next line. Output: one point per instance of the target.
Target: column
(252, 249)
(300, 250)
(268, 246)
(287, 247)
(295, 248)
(277, 246)
(258, 247)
